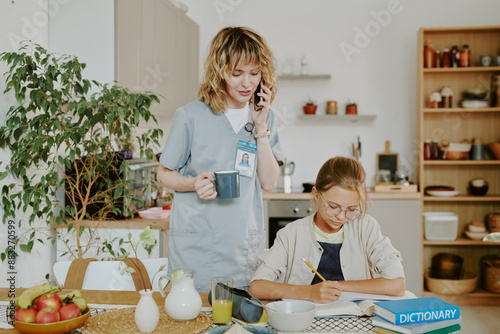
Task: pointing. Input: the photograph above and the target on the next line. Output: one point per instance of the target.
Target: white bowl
(154, 213)
(475, 235)
(290, 315)
(474, 228)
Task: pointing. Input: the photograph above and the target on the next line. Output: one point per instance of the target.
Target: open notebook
(355, 304)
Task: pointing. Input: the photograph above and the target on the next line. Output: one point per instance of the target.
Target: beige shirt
(365, 253)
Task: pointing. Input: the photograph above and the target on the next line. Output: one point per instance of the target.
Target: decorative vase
(310, 109)
(183, 302)
(147, 314)
(351, 109)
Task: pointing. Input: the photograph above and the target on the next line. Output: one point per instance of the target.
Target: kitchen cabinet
(157, 51)
(455, 124)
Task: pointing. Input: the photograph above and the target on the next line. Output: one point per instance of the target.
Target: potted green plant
(63, 135)
(126, 147)
(310, 107)
(351, 108)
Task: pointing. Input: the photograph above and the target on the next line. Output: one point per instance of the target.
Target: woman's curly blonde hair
(230, 47)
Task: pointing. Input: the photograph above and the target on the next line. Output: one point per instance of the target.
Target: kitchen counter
(371, 195)
(132, 223)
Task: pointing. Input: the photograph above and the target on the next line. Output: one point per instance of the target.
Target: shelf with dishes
(462, 110)
(460, 162)
(471, 69)
(462, 241)
(460, 105)
(462, 198)
(477, 297)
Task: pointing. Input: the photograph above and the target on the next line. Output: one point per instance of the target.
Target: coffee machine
(285, 179)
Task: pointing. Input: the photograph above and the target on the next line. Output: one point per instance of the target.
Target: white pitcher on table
(183, 302)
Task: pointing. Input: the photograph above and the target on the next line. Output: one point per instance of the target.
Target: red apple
(69, 311)
(47, 315)
(26, 314)
(51, 300)
(167, 206)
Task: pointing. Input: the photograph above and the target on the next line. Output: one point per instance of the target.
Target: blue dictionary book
(428, 327)
(416, 310)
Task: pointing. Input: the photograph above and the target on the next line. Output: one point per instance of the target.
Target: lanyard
(249, 128)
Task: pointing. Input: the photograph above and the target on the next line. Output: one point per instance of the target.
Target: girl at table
(223, 237)
(340, 240)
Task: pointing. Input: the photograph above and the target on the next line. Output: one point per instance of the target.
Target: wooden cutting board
(388, 160)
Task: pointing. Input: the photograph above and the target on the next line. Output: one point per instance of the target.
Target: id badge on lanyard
(246, 158)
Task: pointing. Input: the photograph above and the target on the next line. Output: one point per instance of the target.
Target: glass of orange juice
(222, 299)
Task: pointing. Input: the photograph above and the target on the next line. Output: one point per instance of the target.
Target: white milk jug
(183, 302)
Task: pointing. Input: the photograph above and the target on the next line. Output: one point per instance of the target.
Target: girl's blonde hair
(346, 173)
(231, 47)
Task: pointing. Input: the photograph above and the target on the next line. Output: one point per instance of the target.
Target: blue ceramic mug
(227, 184)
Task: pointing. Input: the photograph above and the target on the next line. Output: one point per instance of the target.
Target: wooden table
(104, 297)
(110, 297)
(100, 297)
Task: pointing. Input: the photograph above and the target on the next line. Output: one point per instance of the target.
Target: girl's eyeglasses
(335, 210)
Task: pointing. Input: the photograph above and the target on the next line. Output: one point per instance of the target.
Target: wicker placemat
(122, 322)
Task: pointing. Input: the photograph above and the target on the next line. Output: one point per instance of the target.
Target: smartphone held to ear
(257, 99)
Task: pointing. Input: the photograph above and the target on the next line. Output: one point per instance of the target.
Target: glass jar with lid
(465, 57)
(446, 60)
(446, 97)
(383, 177)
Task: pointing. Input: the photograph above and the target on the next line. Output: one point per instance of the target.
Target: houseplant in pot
(63, 134)
(351, 108)
(310, 107)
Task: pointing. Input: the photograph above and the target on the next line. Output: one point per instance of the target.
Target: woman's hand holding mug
(204, 186)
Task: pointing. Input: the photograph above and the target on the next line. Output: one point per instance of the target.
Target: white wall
(86, 29)
(81, 28)
(382, 77)
(21, 20)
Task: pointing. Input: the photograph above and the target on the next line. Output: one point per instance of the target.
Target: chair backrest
(105, 275)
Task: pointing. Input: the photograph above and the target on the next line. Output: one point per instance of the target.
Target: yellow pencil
(314, 270)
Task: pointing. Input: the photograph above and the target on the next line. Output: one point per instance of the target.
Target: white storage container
(441, 225)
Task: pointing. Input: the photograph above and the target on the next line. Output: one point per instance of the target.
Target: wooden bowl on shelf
(456, 155)
(451, 287)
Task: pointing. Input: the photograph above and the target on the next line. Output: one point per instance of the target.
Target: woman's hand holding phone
(259, 116)
(257, 99)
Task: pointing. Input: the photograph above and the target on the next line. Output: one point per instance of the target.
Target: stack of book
(416, 316)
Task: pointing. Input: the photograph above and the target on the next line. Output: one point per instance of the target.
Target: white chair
(106, 275)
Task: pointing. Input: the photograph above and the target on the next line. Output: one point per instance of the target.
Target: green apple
(81, 303)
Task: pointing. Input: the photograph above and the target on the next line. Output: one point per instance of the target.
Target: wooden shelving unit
(455, 124)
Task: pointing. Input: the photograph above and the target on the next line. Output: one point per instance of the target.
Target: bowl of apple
(50, 312)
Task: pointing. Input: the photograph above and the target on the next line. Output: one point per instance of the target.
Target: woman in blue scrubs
(223, 237)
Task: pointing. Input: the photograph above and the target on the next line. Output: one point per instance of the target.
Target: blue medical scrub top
(220, 237)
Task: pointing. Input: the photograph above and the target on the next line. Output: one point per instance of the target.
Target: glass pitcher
(183, 302)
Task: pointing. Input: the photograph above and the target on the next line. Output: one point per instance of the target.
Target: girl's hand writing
(204, 186)
(325, 292)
